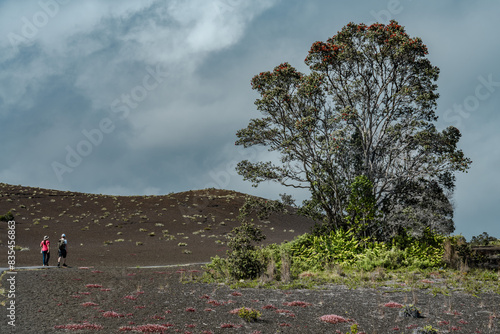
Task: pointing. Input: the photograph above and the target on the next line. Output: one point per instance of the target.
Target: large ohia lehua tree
(358, 131)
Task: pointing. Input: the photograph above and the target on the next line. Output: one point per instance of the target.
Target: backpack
(62, 244)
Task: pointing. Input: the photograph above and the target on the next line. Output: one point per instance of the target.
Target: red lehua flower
(87, 304)
(332, 318)
(269, 306)
(190, 309)
(236, 294)
(285, 324)
(93, 286)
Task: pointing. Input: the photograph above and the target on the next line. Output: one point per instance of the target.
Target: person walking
(45, 245)
(63, 250)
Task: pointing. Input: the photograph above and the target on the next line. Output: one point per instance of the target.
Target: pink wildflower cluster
(130, 297)
(76, 327)
(297, 303)
(149, 328)
(285, 312)
(87, 304)
(237, 310)
(112, 314)
(332, 319)
(93, 286)
(393, 305)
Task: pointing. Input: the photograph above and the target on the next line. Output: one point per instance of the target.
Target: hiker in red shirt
(45, 245)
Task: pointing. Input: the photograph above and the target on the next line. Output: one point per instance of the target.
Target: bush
(243, 260)
(249, 314)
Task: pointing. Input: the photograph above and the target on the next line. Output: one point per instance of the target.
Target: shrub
(249, 314)
(242, 260)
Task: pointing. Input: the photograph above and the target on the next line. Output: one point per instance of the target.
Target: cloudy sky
(133, 97)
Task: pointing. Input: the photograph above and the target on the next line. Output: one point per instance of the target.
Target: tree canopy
(359, 132)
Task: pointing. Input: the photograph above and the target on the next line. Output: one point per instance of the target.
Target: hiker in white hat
(63, 250)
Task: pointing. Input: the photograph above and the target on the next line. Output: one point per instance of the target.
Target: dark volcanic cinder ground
(104, 291)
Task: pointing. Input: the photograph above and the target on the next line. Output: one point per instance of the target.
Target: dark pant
(46, 257)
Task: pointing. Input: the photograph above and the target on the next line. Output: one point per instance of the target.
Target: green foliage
(7, 217)
(243, 261)
(217, 268)
(362, 205)
(249, 314)
(423, 252)
(314, 252)
(483, 240)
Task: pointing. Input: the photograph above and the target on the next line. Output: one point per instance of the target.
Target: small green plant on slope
(249, 314)
(426, 330)
(410, 311)
(7, 217)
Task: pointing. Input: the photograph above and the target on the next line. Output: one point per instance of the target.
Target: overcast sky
(133, 97)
